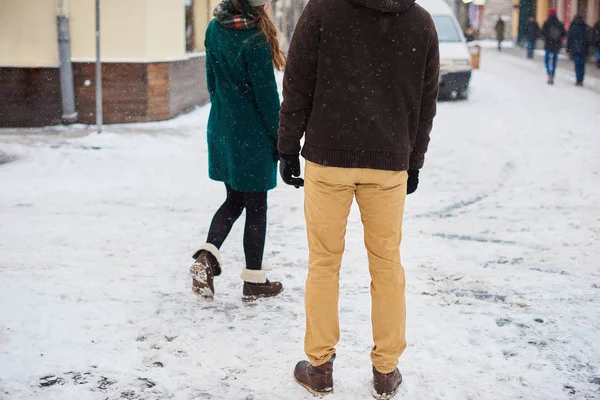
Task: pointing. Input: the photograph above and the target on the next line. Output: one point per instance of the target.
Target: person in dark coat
(532, 32)
(361, 87)
(241, 50)
(553, 33)
(500, 29)
(578, 46)
(597, 43)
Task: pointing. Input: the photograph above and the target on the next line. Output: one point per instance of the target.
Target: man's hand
(413, 181)
(289, 169)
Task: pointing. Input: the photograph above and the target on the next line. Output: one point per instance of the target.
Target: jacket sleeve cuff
(288, 146)
(416, 161)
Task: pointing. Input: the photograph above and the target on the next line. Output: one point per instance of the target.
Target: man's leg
(547, 62)
(554, 62)
(577, 68)
(581, 69)
(329, 193)
(530, 48)
(381, 196)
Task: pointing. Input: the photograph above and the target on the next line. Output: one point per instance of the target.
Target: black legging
(255, 204)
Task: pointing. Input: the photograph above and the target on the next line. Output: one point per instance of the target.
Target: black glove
(276, 156)
(289, 169)
(413, 181)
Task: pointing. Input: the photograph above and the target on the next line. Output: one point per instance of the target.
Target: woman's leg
(225, 217)
(256, 284)
(208, 259)
(256, 228)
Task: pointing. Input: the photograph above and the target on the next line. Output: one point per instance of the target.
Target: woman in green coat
(241, 50)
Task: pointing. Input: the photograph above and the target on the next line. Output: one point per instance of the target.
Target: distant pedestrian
(578, 46)
(500, 30)
(553, 33)
(532, 33)
(597, 43)
(241, 50)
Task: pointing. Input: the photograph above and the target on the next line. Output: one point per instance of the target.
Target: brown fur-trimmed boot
(257, 286)
(317, 380)
(385, 386)
(204, 269)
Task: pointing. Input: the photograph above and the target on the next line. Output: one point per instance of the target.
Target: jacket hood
(386, 6)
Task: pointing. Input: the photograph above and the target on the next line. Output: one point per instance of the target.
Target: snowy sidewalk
(501, 252)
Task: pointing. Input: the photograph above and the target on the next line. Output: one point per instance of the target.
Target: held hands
(289, 169)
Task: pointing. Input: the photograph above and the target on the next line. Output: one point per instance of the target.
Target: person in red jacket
(361, 86)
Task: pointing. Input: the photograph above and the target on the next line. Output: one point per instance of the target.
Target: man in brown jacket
(361, 85)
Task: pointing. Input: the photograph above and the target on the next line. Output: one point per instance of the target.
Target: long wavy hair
(267, 27)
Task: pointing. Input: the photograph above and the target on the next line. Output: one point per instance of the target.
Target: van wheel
(464, 95)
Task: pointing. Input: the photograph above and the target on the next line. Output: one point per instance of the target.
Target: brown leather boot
(317, 380)
(255, 291)
(385, 386)
(203, 272)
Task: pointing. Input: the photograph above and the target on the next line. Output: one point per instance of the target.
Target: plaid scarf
(236, 14)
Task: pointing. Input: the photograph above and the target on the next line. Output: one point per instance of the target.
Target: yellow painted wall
(82, 24)
(122, 25)
(28, 33)
(131, 30)
(543, 6)
(515, 18)
(202, 16)
(123, 29)
(165, 28)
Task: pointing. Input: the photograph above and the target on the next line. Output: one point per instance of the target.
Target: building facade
(480, 16)
(494, 9)
(153, 67)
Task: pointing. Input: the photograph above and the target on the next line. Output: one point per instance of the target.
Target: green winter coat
(244, 117)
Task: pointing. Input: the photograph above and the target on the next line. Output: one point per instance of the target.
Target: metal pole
(98, 71)
(67, 90)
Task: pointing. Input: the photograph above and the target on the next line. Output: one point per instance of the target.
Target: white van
(455, 59)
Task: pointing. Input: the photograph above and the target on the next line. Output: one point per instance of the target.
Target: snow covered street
(501, 249)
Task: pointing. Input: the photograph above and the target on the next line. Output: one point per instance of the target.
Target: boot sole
(384, 397)
(313, 391)
(200, 287)
(253, 298)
